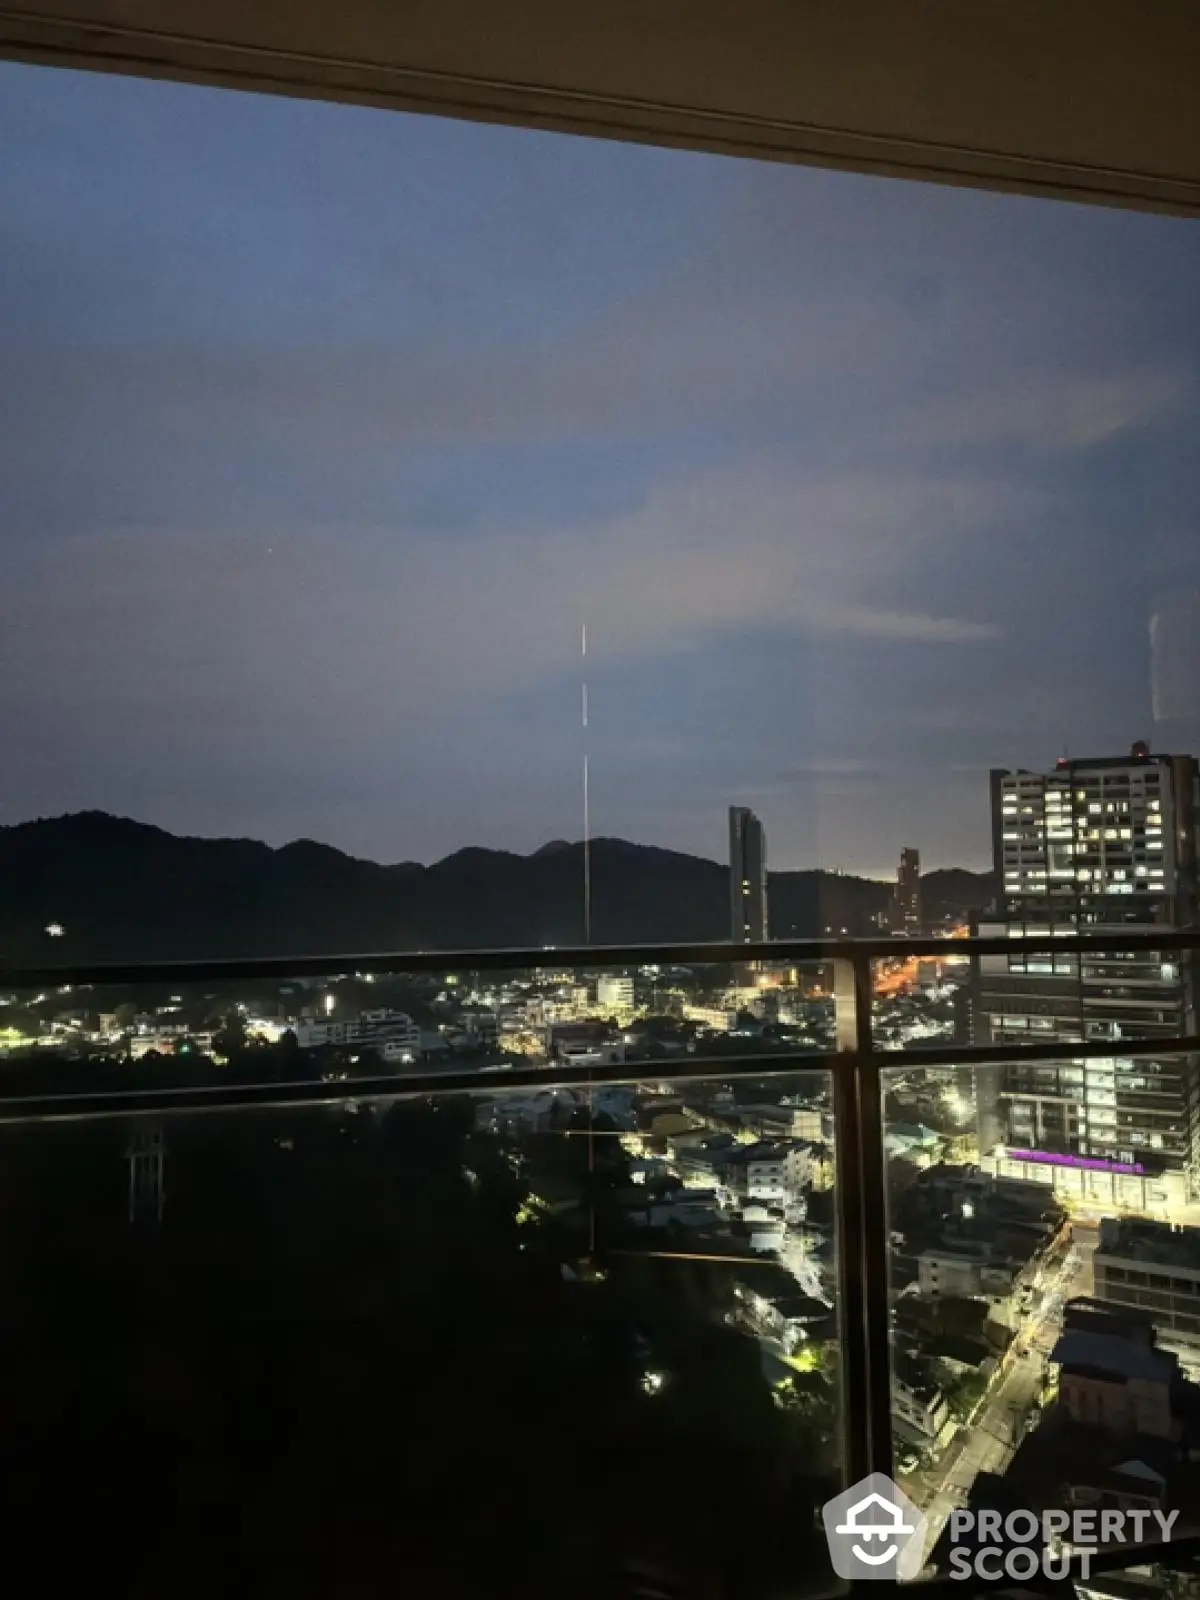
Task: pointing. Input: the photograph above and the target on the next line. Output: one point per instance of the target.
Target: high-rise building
(1096, 846)
(747, 876)
(906, 897)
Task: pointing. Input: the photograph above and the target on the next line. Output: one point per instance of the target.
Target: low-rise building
(570, 1002)
(699, 1155)
(781, 1122)
(1146, 1186)
(1116, 1383)
(1067, 1465)
(665, 1132)
(773, 1304)
(972, 1236)
(919, 1407)
(480, 1022)
(966, 1272)
(166, 1041)
(812, 1123)
(392, 1034)
(776, 1173)
(1121, 1433)
(961, 1335)
(1152, 1267)
(614, 994)
(511, 1116)
(585, 1044)
(968, 1190)
(717, 1018)
(689, 1208)
(763, 1228)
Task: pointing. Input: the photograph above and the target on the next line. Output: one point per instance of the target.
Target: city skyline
(326, 427)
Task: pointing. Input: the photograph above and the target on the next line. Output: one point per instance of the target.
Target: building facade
(1117, 1386)
(919, 1407)
(965, 1274)
(393, 1034)
(906, 897)
(614, 993)
(1092, 1183)
(747, 877)
(1152, 1268)
(1096, 846)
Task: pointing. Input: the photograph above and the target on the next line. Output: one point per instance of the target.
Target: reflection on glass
(1045, 1329)
(918, 1001)
(343, 1026)
(535, 1341)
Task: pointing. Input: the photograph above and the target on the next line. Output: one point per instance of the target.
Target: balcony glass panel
(921, 1001)
(177, 1031)
(1045, 1301)
(535, 1341)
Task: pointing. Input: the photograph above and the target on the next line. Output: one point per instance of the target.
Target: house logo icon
(874, 1531)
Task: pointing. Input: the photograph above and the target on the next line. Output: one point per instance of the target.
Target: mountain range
(125, 891)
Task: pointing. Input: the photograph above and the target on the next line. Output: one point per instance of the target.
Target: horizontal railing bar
(996, 1055)
(409, 1085)
(587, 956)
(237, 1096)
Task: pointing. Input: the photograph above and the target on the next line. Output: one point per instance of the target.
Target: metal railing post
(862, 1225)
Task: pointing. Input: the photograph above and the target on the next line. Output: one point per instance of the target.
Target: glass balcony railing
(533, 1318)
(614, 1263)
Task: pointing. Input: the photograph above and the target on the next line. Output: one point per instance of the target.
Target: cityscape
(576, 710)
(1045, 1263)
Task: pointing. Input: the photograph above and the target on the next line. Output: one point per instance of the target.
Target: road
(989, 1442)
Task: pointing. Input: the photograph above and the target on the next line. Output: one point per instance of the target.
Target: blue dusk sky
(323, 429)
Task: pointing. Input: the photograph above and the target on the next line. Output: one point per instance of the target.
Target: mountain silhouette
(126, 891)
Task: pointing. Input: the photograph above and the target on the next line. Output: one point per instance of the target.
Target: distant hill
(127, 891)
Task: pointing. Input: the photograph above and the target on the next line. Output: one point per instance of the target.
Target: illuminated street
(989, 1442)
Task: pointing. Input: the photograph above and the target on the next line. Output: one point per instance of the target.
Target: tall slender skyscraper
(747, 876)
(906, 898)
(1096, 846)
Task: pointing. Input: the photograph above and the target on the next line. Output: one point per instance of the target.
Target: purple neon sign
(1093, 1163)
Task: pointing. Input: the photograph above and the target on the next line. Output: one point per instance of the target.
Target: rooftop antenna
(587, 932)
(587, 831)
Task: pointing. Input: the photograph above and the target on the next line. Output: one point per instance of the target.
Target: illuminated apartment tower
(747, 876)
(1096, 846)
(906, 897)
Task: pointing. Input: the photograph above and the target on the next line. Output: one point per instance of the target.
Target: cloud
(870, 622)
(1051, 410)
(657, 361)
(830, 766)
(344, 627)
(322, 431)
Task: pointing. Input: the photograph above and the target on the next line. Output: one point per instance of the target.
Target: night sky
(323, 429)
